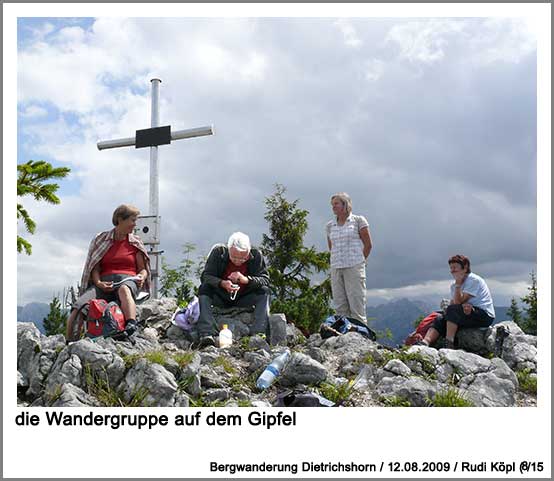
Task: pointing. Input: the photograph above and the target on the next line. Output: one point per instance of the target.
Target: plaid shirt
(347, 248)
(98, 248)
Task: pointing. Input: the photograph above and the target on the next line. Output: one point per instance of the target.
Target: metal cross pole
(153, 137)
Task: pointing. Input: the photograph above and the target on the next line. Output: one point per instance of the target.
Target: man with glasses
(235, 275)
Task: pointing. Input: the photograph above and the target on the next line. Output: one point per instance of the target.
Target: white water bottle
(271, 372)
(225, 337)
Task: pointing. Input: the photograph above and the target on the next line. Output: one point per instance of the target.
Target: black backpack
(338, 325)
(297, 399)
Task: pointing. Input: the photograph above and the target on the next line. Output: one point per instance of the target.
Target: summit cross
(153, 137)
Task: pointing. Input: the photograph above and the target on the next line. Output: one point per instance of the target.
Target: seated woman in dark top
(114, 255)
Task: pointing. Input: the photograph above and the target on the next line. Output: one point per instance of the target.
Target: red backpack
(104, 319)
(422, 329)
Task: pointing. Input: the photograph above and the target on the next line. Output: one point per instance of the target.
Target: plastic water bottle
(225, 337)
(271, 372)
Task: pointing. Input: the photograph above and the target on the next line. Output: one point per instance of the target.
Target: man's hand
(105, 286)
(238, 278)
(468, 308)
(228, 285)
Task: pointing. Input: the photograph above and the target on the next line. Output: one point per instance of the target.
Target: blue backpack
(338, 325)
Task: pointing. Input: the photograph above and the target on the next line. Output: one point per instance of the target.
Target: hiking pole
(330, 329)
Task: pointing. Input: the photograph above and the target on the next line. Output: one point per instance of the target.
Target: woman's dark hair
(462, 260)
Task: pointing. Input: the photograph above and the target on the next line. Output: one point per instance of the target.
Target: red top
(121, 258)
(243, 269)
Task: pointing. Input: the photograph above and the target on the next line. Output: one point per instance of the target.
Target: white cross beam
(152, 138)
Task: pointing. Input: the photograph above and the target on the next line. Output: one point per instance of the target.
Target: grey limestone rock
(50, 373)
(351, 347)
(294, 335)
(152, 380)
(157, 313)
(302, 369)
(519, 354)
(487, 389)
(238, 319)
(465, 362)
(68, 369)
(257, 360)
(397, 367)
(416, 390)
(73, 396)
(209, 378)
(101, 362)
(257, 342)
(473, 340)
(277, 329)
(217, 394)
(315, 340)
(190, 375)
(182, 400)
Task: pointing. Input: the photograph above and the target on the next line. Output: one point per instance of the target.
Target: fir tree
(31, 178)
(54, 322)
(178, 282)
(514, 312)
(530, 301)
(291, 265)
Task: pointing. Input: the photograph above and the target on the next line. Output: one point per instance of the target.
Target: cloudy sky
(428, 123)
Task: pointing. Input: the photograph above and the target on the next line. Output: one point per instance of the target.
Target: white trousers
(349, 294)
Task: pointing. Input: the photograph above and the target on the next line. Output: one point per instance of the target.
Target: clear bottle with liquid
(271, 372)
(225, 337)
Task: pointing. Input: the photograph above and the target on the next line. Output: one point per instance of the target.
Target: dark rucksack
(337, 325)
(296, 398)
(104, 319)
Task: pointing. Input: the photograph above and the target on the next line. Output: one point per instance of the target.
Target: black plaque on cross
(153, 137)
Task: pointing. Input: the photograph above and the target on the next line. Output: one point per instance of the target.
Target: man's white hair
(239, 241)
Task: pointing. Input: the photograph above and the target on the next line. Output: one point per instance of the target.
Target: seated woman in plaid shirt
(114, 255)
(350, 244)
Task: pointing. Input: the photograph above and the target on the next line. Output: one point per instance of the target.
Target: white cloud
(481, 41)
(40, 32)
(501, 290)
(504, 40)
(351, 38)
(423, 41)
(374, 70)
(33, 112)
(55, 263)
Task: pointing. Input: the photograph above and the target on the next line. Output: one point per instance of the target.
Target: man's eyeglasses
(239, 260)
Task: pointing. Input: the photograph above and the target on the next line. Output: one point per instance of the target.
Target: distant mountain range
(34, 312)
(399, 315)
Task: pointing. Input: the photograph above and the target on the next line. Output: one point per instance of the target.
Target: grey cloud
(419, 149)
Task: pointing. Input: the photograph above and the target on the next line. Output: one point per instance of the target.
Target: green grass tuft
(183, 358)
(130, 360)
(338, 393)
(156, 357)
(225, 364)
(451, 398)
(56, 394)
(395, 402)
(527, 381)
(99, 387)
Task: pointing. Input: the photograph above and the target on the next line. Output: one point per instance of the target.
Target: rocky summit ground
(160, 369)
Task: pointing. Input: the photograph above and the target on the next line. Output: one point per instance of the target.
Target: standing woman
(350, 244)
